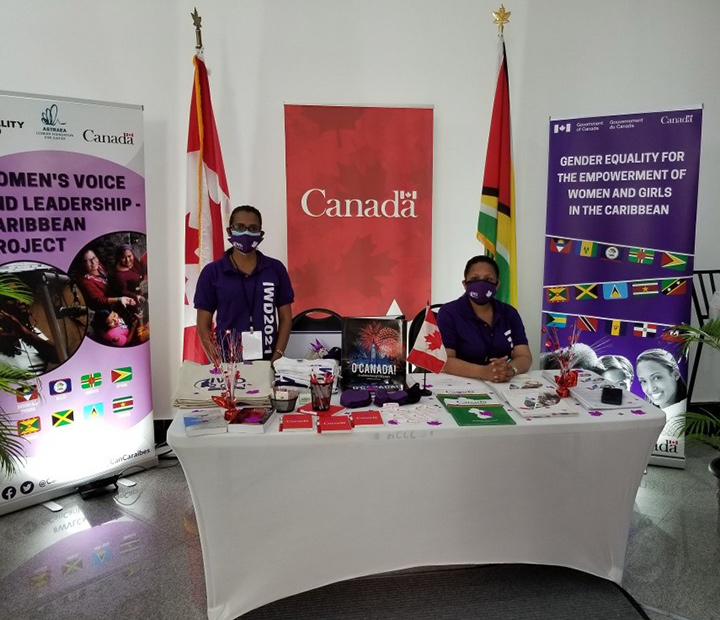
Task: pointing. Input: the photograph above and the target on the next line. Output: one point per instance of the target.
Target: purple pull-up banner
(620, 240)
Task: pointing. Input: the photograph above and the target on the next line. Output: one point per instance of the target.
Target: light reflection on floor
(136, 553)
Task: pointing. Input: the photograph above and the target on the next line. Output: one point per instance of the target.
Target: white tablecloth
(282, 513)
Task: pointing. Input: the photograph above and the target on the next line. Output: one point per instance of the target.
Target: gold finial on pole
(197, 21)
(502, 17)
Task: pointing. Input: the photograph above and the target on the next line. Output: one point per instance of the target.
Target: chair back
(310, 326)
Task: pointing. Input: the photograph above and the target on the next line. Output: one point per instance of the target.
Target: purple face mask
(480, 292)
(245, 242)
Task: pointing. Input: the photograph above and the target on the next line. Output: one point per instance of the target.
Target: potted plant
(701, 426)
(12, 379)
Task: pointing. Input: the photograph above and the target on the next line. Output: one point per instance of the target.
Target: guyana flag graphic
(122, 404)
(28, 426)
(63, 418)
(91, 380)
(121, 375)
(496, 221)
(671, 260)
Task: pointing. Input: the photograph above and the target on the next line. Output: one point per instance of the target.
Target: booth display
(280, 513)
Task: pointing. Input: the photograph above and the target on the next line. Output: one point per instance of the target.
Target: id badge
(252, 345)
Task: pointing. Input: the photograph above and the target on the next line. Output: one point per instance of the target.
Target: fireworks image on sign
(225, 353)
(385, 340)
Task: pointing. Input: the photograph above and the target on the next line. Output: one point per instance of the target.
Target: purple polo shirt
(472, 338)
(234, 296)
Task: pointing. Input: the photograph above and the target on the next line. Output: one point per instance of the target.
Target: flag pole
(501, 17)
(197, 22)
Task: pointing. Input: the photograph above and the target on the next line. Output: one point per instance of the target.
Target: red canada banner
(359, 207)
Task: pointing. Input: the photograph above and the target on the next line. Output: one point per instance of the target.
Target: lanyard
(250, 303)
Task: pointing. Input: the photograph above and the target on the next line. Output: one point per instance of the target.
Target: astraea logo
(401, 204)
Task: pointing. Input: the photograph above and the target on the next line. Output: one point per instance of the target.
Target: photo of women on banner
(619, 249)
(111, 271)
(40, 335)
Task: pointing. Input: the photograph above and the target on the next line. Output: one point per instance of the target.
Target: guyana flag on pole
(496, 223)
(208, 201)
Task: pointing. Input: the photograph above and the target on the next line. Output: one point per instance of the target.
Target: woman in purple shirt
(484, 338)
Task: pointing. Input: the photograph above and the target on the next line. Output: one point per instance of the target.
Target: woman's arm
(461, 368)
(203, 322)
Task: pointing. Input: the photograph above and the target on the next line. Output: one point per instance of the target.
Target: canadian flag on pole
(428, 351)
(208, 201)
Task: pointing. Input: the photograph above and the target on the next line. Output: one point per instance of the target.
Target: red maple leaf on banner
(434, 341)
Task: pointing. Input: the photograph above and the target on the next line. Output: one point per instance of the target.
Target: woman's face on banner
(658, 383)
(127, 259)
(615, 375)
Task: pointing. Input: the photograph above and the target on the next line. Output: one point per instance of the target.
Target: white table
(282, 513)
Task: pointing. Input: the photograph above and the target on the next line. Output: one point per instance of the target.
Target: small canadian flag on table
(428, 350)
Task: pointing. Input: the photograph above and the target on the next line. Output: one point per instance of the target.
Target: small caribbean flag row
(619, 253)
(59, 387)
(76, 563)
(120, 407)
(612, 327)
(617, 290)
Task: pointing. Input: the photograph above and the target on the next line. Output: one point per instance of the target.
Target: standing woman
(129, 272)
(484, 338)
(246, 291)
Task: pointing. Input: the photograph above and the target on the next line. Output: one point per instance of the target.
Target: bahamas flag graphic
(553, 319)
(91, 380)
(496, 222)
(121, 375)
(63, 418)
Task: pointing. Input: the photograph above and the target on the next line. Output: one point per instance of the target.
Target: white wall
(566, 58)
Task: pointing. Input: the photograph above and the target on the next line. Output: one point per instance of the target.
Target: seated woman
(659, 376)
(110, 328)
(484, 338)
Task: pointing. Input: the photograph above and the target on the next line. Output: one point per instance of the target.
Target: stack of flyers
(543, 403)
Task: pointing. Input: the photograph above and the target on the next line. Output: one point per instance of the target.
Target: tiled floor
(136, 554)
